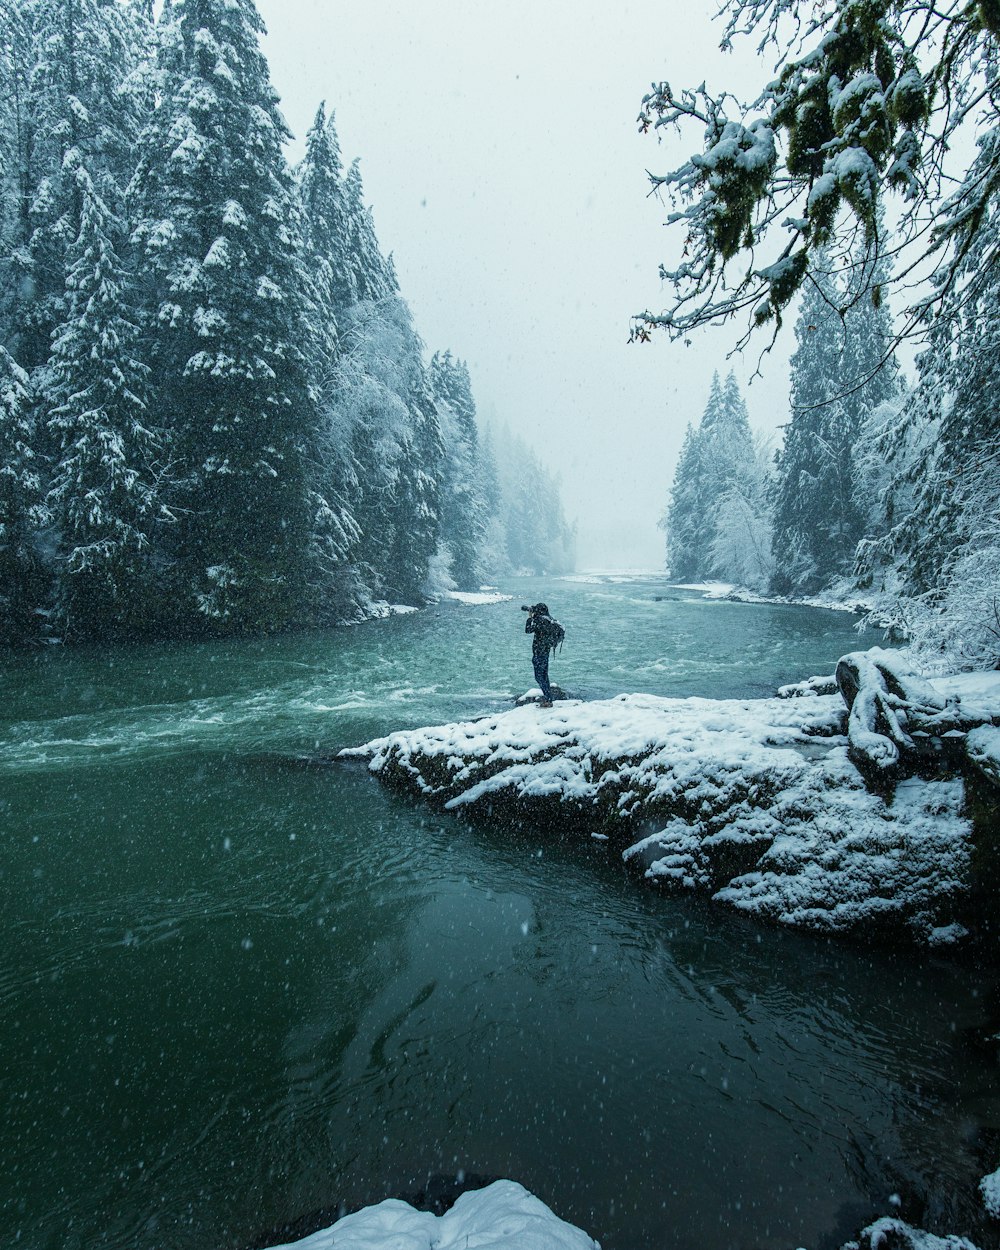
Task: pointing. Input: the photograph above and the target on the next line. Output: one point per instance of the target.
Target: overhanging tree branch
(866, 106)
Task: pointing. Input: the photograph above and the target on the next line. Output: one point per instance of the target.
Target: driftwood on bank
(897, 722)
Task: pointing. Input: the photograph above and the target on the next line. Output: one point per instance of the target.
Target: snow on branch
(869, 100)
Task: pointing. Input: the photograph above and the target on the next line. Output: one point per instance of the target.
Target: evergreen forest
(217, 416)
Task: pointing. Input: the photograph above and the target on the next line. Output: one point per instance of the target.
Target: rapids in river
(243, 988)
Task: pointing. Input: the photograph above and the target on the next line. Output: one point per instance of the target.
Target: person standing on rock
(548, 635)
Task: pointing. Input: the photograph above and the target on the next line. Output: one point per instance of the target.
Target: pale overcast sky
(502, 162)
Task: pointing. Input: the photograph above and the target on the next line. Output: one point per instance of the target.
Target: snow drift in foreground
(754, 802)
(503, 1216)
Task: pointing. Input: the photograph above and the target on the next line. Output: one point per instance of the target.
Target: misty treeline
(868, 168)
(216, 415)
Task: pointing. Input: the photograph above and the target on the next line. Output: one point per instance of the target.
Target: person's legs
(540, 663)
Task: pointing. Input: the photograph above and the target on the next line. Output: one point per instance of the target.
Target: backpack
(554, 634)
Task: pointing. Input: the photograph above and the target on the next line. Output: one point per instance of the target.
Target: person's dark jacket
(543, 627)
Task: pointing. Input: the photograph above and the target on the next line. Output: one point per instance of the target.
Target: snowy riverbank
(379, 609)
(753, 802)
(831, 601)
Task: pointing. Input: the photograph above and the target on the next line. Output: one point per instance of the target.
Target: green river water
(242, 987)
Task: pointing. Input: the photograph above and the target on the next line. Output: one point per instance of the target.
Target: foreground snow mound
(504, 1216)
(890, 1234)
(753, 802)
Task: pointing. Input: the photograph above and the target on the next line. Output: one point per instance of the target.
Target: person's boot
(544, 702)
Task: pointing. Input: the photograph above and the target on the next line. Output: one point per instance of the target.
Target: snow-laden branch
(870, 98)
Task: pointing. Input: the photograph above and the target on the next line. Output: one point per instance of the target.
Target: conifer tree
(741, 550)
(371, 275)
(714, 459)
(324, 231)
(539, 541)
(872, 374)
(684, 515)
(74, 89)
(936, 565)
(727, 444)
(842, 371)
(494, 558)
(22, 511)
(816, 522)
(18, 160)
(463, 510)
(947, 453)
(416, 506)
(220, 237)
(384, 407)
(103, 496)
(335, 587)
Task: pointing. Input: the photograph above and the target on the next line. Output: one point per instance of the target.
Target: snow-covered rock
(503, 1216)
(891, 1234)
(989, 1187)
(754, 802)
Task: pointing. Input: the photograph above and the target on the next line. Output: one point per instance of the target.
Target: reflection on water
(236, 990)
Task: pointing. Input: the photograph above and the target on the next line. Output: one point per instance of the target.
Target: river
(242, 986)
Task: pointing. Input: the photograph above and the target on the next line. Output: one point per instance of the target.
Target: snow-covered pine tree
(741, 550)
(539, 541)
(73, 86)
(682, 519)
(320, 182)
(715, 458)
(727, 444)
(371, 275)
(103, 497)
(494, 557)
(18, 160)
(874, 390)
(843, 370)
(872, 375)
(417, 504)
(382, 404)
(335, 589)
(463, 510)
(816, 520)
(219, 231)
(22, 510)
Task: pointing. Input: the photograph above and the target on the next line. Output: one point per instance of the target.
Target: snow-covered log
(898, 722)
(983, 750)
